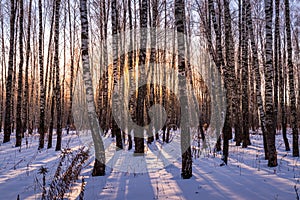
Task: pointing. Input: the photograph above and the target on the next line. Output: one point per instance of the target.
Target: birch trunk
(19, 128)
(57, 78)
(270, 125)
(99, 165)
(8, 95)
(42, 89)
(292, 94)
(186, 170)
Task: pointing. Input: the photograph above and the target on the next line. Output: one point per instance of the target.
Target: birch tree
(186, 167)
(229, 79)
(292, 94)
(115, 129)
(26, 83)
(99, 165)
(19, 128)
(8, 95)
(255, 65)
(139, 136)
(42, 89)
(270, 125)
(277, 47)
(245, 77)
(56, 66)
(130, 69)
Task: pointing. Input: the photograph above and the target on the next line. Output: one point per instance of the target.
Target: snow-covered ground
(245, 177)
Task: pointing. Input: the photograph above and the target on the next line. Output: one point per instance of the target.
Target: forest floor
(246, 176)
